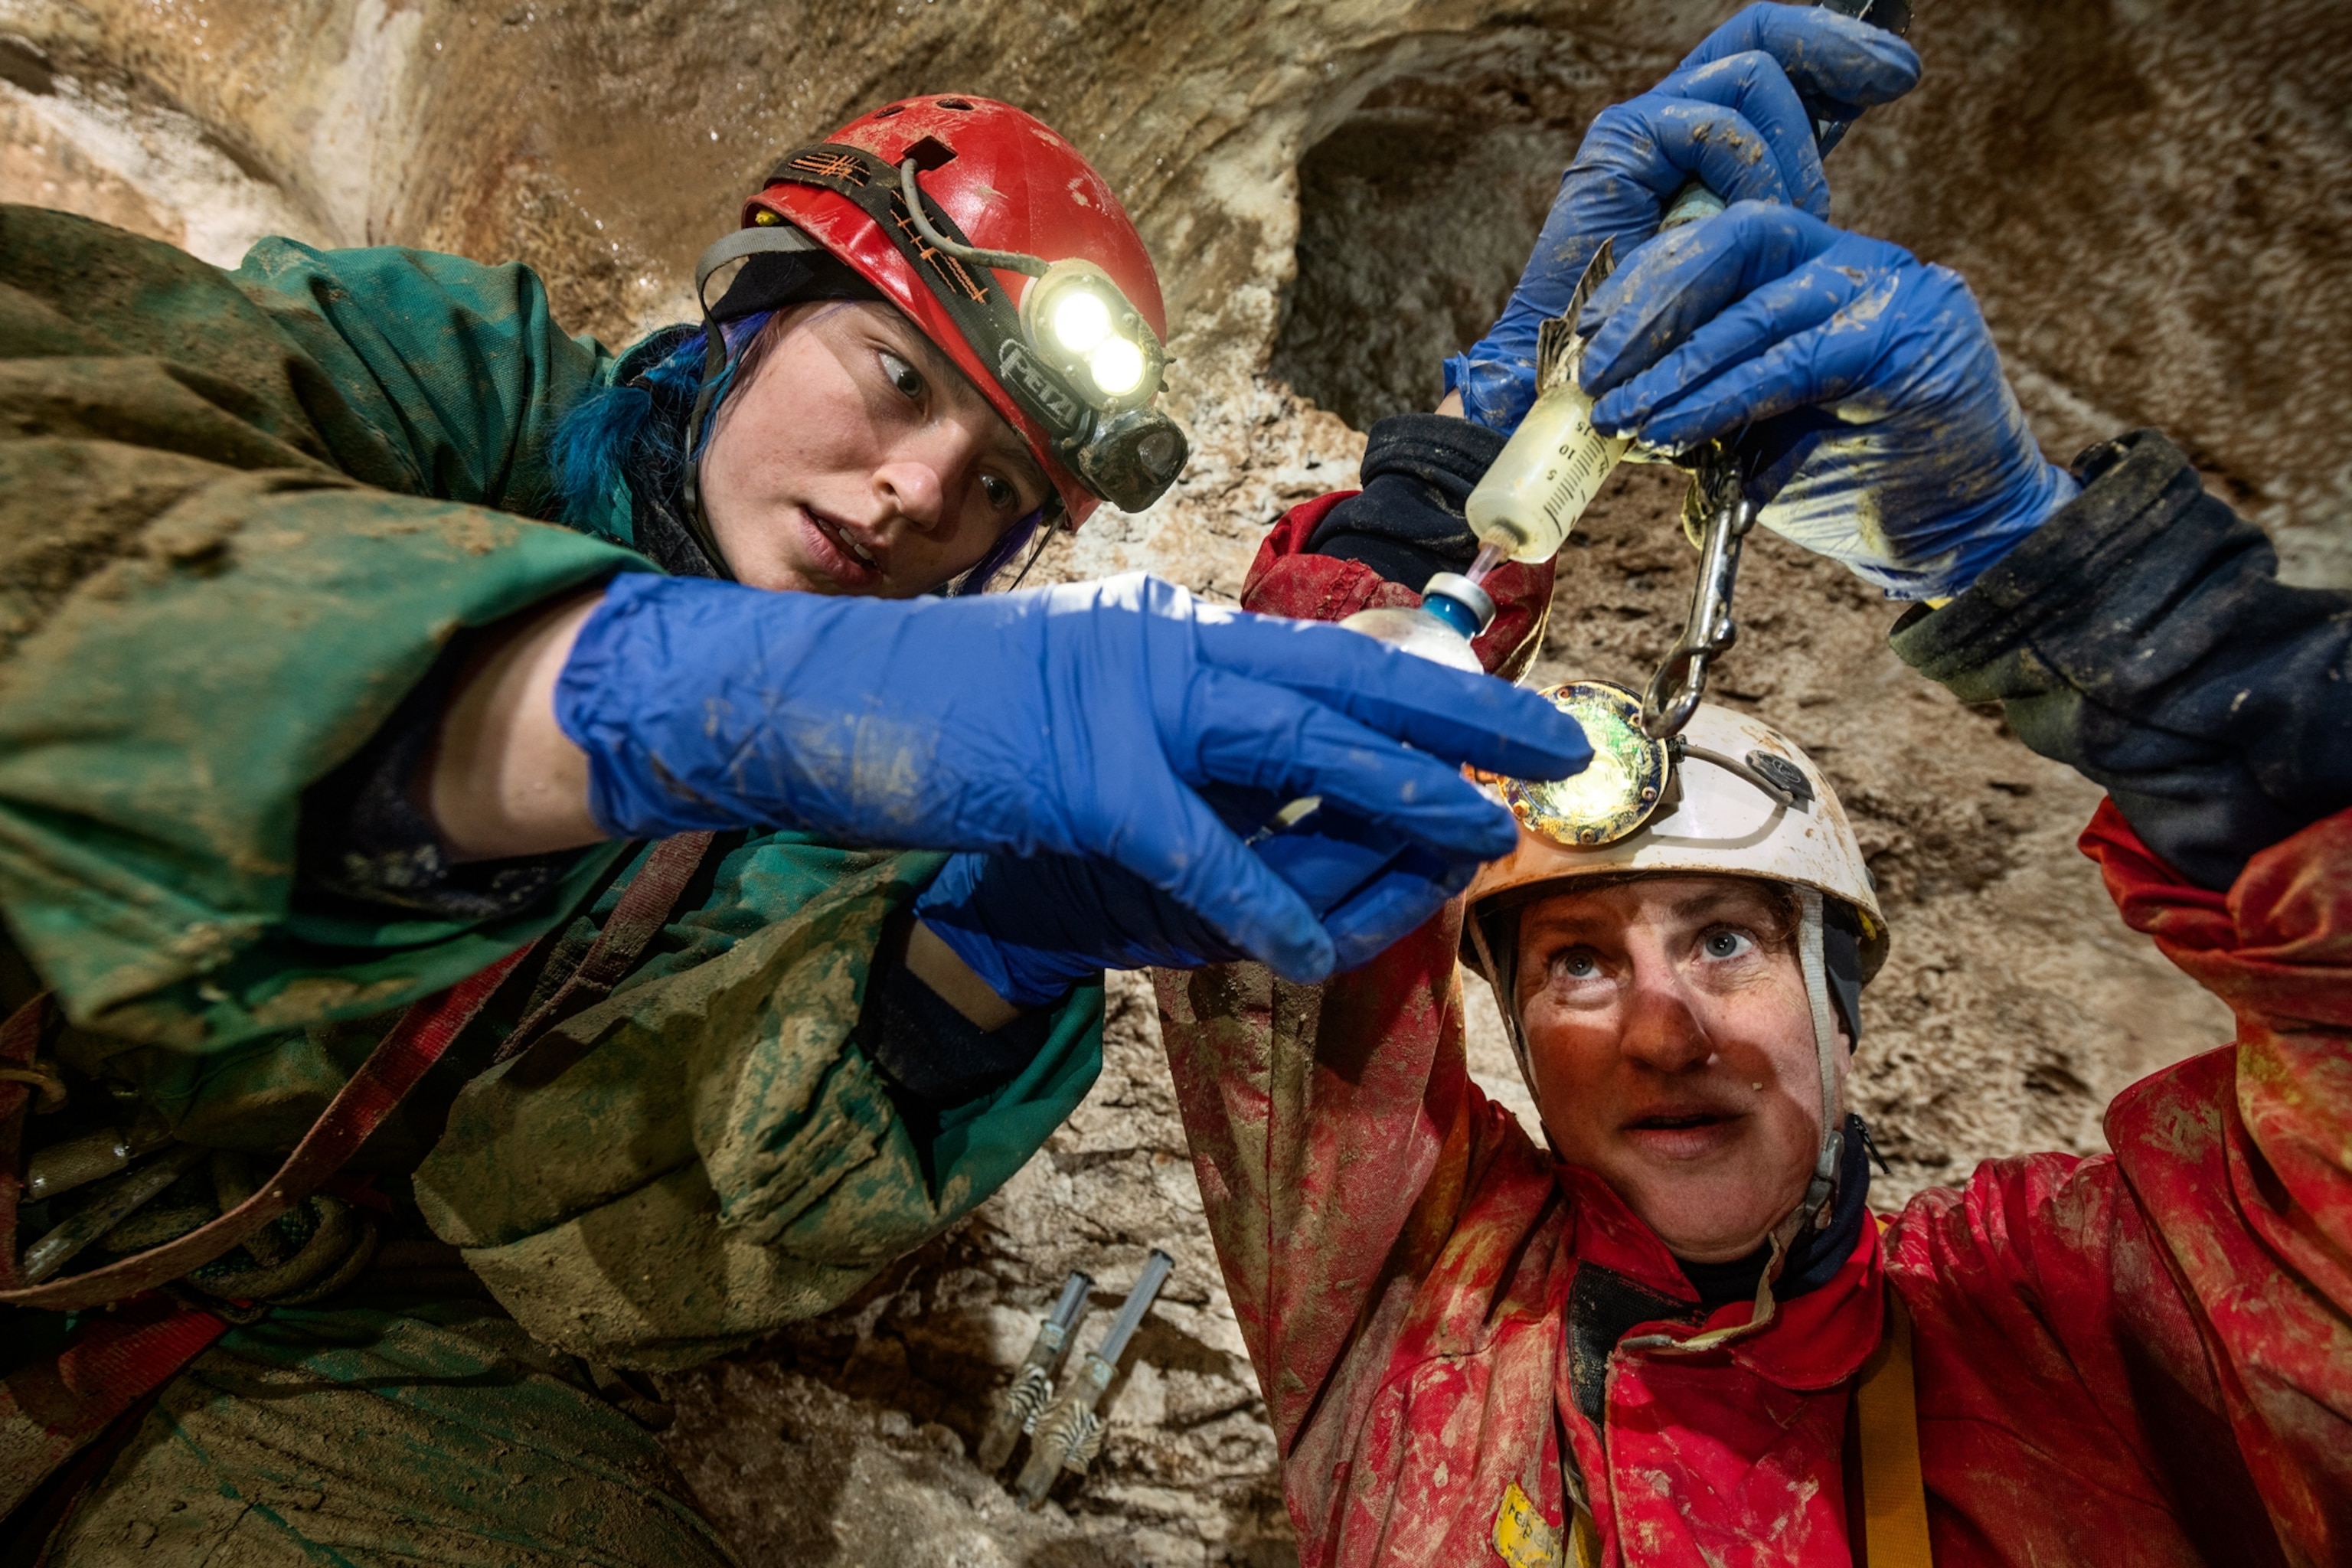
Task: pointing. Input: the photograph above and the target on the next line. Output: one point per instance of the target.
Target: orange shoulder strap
(1894, 1497)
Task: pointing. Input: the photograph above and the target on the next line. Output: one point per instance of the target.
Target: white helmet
(1728, 796)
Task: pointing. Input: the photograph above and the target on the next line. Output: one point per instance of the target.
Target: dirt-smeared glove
(1902, 452)
(1078, 720)
(1738, 114)
(1032, 927)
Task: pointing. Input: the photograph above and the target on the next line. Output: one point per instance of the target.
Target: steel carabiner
(1708, 631)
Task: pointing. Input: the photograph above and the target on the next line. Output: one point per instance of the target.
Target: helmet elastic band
(1809, 957)
(740, 246)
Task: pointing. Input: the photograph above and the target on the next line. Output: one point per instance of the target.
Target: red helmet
(1005, 245)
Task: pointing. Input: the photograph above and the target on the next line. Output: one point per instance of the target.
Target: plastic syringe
(1555, 462)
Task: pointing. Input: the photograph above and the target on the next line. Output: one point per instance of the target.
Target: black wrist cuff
(365, 846)
(933, 1054)
(1407, 524)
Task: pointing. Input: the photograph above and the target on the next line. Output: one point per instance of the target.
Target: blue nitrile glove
(1911, 461)
(1032, 927)
(1036, 927)
(1739, 114)
(1071, 720)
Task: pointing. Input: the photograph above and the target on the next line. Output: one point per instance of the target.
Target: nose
(920, 474)
(911, 486)
(1662, 1029)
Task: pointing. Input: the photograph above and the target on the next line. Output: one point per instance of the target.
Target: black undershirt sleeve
(2142, 636)
(932, 1058)
(364, 845)
(1407, 523)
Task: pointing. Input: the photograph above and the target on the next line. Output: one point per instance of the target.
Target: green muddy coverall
(242, 514)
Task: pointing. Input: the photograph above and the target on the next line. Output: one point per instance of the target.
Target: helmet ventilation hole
(955, 104)
(928, 153)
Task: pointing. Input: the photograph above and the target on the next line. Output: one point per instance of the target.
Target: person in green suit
(360, 631)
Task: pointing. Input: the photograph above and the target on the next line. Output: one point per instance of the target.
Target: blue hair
(610, 438)
(1000, 554)
(596, 443)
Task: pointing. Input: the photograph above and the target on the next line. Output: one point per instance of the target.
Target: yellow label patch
(1522, 1538)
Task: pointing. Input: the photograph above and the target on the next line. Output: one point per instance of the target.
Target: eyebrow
(1714, 899)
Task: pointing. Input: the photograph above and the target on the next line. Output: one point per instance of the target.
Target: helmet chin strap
(740, 246)
(1811, 956)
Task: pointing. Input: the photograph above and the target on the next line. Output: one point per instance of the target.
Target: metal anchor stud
(1069, 1434)
(1033, 1385)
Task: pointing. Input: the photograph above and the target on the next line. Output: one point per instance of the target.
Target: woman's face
(1671, 1046)
(858, 459)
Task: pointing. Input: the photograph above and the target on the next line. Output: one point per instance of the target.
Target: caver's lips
(1684, 1130)
(846, 554)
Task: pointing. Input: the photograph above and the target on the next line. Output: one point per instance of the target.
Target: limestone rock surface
(2151, 199)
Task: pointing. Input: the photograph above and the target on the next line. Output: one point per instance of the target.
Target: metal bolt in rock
(1069, 1434)
(1033, 1385)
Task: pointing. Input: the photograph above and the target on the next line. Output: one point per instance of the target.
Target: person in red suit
(1677, 1333)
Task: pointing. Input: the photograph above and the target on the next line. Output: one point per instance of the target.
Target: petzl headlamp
(1076, 355)
(1632, 773)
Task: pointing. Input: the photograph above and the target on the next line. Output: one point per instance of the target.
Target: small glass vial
(1453, 610)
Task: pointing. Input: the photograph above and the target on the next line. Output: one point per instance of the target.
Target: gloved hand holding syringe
(1749, 114)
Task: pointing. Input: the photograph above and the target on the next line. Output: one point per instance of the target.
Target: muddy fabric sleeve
(1406, 523)
(204, 616)
(427, 374)
(449, 378)
(713, 1151)
(1328, 1127)
(2142, 636)
(2148, 1345)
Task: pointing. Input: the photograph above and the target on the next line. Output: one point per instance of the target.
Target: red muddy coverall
(2139, 1357)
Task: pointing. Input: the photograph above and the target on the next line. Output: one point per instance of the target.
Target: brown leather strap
(644, 908)
(404, 1054)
